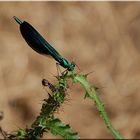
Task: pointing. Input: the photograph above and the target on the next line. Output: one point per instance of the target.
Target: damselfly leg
(59, 72)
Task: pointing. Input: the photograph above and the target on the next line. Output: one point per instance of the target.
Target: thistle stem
(92, 94)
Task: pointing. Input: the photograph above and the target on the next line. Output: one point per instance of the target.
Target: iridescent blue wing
(37, 42)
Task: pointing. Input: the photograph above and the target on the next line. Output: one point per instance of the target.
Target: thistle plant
(46, 120)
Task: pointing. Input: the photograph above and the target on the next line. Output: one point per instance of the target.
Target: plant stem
(92, 94)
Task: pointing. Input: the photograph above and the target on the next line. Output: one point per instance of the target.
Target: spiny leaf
(21, 133)
(58, 128)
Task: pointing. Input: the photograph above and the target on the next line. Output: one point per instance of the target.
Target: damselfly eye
(71, 67)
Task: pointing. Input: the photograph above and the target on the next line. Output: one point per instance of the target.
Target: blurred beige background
(103, 37)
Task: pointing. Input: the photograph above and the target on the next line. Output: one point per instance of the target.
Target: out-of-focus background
(103, 37)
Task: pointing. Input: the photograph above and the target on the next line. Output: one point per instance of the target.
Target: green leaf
(21, 133)
(58, 128)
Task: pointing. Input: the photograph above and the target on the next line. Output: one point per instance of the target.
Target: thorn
(77, 66)
(89, 73)
(86, 95)
(98, 88)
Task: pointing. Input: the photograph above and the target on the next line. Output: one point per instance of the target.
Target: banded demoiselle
(35, 40)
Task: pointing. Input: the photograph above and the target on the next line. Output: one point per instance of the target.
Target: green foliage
(21, 133)
(91, 92)
(47, 122)
(58, 128)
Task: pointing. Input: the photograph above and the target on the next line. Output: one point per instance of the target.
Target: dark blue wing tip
(17, 20)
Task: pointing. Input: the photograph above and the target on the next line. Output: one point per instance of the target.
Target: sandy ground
(103, 37)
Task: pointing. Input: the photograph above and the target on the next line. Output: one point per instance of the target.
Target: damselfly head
(71, 66)
(66, 64)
